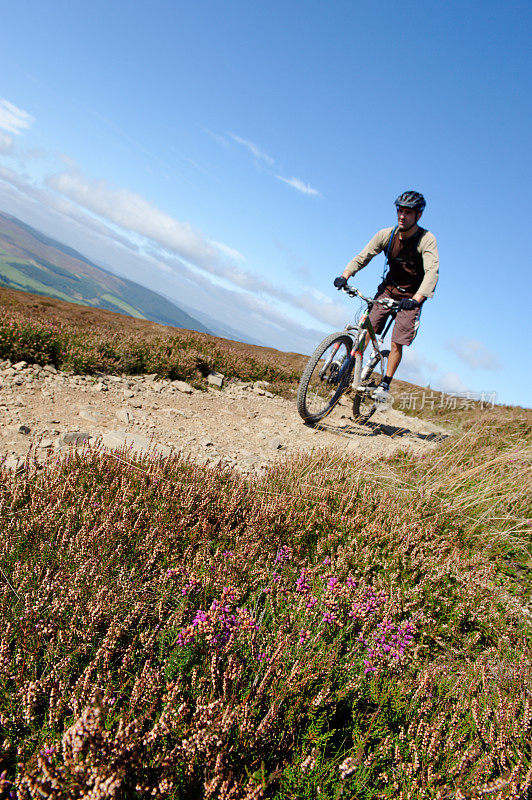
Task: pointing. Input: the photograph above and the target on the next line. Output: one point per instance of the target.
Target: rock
(123, 415)
(206, 443)
(275, 443)
(76, 437)
(215, 379)
(88, 416)
(128, 393)
(9, 371)
(20, 365)
(14, 463)
(101, 387)
(114, 440)
(244, 455)
(181, 386)
(24, 429)
(50, 369)
(136, 403)
(18, 381)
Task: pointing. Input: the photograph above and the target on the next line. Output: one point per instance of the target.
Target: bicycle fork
(365, 370)
(330, 360)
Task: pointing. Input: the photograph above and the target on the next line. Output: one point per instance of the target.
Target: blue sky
(235, 156)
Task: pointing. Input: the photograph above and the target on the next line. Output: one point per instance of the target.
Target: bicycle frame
(364, 326)
(336, 365)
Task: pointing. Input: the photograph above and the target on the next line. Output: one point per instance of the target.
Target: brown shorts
(406, 322)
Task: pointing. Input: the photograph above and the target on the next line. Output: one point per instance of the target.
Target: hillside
(33, 262)
(204, 598)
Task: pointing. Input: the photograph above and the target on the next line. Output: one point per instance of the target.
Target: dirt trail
(242, 425)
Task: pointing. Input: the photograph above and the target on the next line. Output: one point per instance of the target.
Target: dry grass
(90, 340)
(335, 628)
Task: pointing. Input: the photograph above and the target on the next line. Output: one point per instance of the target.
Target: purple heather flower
(302, 586)
(283, 554)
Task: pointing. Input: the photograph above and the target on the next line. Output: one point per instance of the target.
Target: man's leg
(404, 330)
(394, 359)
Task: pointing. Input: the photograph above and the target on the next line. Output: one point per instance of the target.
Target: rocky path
(242, 425)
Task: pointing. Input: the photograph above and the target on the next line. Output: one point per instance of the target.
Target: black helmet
(411, 200)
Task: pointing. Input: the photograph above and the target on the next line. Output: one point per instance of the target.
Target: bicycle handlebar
(386, 301)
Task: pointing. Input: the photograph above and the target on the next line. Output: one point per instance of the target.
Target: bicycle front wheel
(325, 377)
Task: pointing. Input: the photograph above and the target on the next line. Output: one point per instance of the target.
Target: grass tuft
(337, 629)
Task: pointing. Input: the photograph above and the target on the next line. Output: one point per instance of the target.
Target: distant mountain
(31, 261)
(220, 329)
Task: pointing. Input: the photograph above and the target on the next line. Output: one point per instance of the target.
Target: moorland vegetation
(337, 628)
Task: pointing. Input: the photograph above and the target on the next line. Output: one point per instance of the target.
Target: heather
(337, 628)
(89, 341)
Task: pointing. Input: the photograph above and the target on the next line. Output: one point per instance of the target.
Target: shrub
(177, 632)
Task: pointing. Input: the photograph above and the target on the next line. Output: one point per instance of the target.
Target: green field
(33, 262)
(17, 278)
(122, 305)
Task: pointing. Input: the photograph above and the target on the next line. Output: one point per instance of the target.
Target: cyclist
(412, 262)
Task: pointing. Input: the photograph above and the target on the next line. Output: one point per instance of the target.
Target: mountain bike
(336, 366)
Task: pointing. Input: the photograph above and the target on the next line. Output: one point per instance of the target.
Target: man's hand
(408, 304)
(340, 282)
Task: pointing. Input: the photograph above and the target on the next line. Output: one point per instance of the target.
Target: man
(412, 261)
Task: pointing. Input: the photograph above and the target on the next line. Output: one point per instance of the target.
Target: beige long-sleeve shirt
(427, 247)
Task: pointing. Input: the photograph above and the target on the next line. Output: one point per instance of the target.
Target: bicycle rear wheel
(363, 405)
(325, 377)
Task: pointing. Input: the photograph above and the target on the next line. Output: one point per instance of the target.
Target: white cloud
(296, 183)
(217, 137)
(260, 155)
(134, 213)
(451, 382)
(46, 205)
(229, 251)
(6, 143)
(323, 308)
(417, 369)
(475, 354)
(253, 148)
(163, 273)
(13, 119)
(156, 233)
